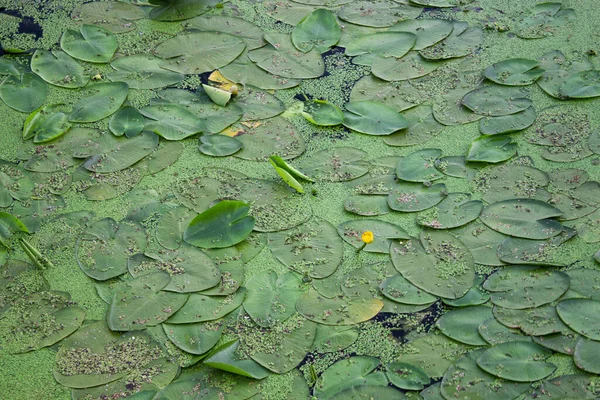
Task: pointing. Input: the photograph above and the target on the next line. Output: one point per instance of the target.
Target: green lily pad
(455, 210)
(373, 118)
(102, 100)
(523, 287)
(457, 167)
(586, 355)
(123, 153)
(102, 251)
(406, 376)
(377, 13)
(557, 69)
(517, 361)
(496, 100)
(544, 20)
(517, 179)
(399, 96)
(197, 52)
(322, 113)
(534, 252)
(243, 70)
(19, 279)
(583, 282)
(474, 297)
(142, 72)
(532, 321)
(34, 213)
(449, 109)
(495, 333)
(367, 206)
(582, 85)
(581, 315)
(115, 16)
(491, 149)
(99, 187)
(433, 353)
(410, 66)
(529, 219)
(507, 123)
(38, 320)
(197, 338)
(339, 311)
(464, 379)
(127, 121)
(92, 43)
(219, 145)
(356, 371)
(257, 104)
(274, 136)
(225, 358)
(419, 166)
(318, 30)
(25, 92)
(58, 68)
(313, 248)
(171, 121)
(141, 303)
(422, 126)
(462, 41)
(574, 386)
(427, 31)
(384, 44)
(560, 342)
(400, 290)
(177, 10)
(201, 308)
(94, 356)
(384, 234)
(45, 124)
(280, 57)
(514, 72)
(413, 197)
(294, 343)
(331, 338)
(272, 298)
(224, 224)
(449, 265)
(250, 33)
(462, 324)
(191, 270)
(336, 165)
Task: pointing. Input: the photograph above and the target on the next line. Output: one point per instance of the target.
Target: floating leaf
(197, 52)
(272, 298)
(495, 333)
(384, 44)
(171, 121)
(581, 315)
(422, 126)
(45, 124)
(397, 95)
(410, 66)
(433, 353)
(544, 20)
(243, 70)
(336, 165)
(400, 290)
(250, 33)
(586, 355)
(331, 338)
(507, 123)
(127, 121)
(455, 210)
(427, 31)
(58, 68)
(197, 338)
(322, 113)
(557, 69)
(368, 206)
(115, 16)
(377, 13)
(419, 166)
(121, 153)
(457, 167)
(201, 308)
(383, 234)
(25, 92)
(92, 43)
(406, 376)
(317, 30)
(462, 41)
(523, 287)
(142, 72)
(274, 136)
(582, 85)
(534, 252)
(345, 311)
(517, 361)
(496, 100)
(514, 72)
(356, 371)
(474, 297)
(225, 358)
(532, 321)
(529, 219)
(102, 100)
(177, 10)
(373, 118)
(313, 248)
(413, 197)
(102, 251)
(491, 149)
(219, 145)
(462, 324)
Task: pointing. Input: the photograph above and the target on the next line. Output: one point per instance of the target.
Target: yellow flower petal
(367, 237)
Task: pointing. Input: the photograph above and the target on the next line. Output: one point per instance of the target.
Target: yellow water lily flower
(367, 237)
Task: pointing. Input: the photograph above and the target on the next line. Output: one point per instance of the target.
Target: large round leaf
(25, 92)
(143, 72)
(274, 136)
(223, 225)
(529, 219)
(377, 13)
(123, 153)
(317, 30)
(514, 72)
(385, 44)
(517, 361)
(91, 43)
(587, 355)
(433, 353)
(462, 324)
(197, 52)
(397, 95)
(373, 118)
(197, 338)
(250, 33)
(115, 16)
(177, 10)
(171, 121)
(491, 149)
(350, 373)
(419, 166)
(227, 358)
(462, 41)
(102, 100)
(507, 123)
(410, 66)
(427, 31)
(400, 290)
(582, 85)
(496, 100)
(271, 298)
(455, 210)
(413, 197)
(537, 321)
(201, 308)
(336, 165)
(422, 126)
(58, 68)
(406, 376)
(342, 311)
(45, 124)
(127, 121)
(581, 315)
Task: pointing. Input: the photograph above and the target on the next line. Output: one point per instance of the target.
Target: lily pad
(177, 10)
(427, 31)
(373, 118)
(462, 324)
(384, 44)
(250, 33)
(495, 333)
(449, 109)
(123, 153)
(507, 123)
(529, 219)
(457, 167)
(102, 100)
(243, 70)
(397, 95)
(58, 68)
(322, 113)
(406, 376)
(225, 358)
(517, 361)
(455, 210)
(586, 355)
(201, 308)
(491, 149)
(272, 298)
(341, 311)
(544, 20)
(356, 371)
(115, 16)
(496, 100)
(581, 315)
(331, 338)
(336, 165)
(514, 72)
(422, 126)
(384, 234)
(413, 197)
(318, 30)
(557, 69)
(377, 13)
(45, 124)
(534, 252)
(225, 224)
(582, 85)
(274, 136)
(92, 43)
(462, 41)
(102, 251)
(522, 287)
(127, 121)
(197, 52)
(142, 72)
(257, 104)
(197, 338)
(410, 66)
(400, 290)
(219, 145)
(532, 321)
(171, 121)
(419, 166)
(25, 92)
(433, 353)
(368, 206)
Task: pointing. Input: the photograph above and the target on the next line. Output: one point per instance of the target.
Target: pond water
(186, 191)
